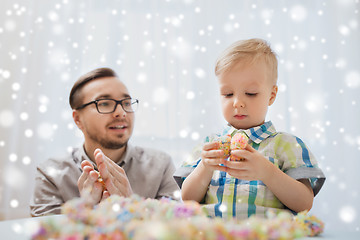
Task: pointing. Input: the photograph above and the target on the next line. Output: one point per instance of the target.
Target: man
(106, 164)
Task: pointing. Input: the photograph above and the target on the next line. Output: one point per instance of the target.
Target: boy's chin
(244, 126)
(238, 126)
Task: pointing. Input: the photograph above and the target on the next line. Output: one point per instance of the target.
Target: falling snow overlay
(165, 51)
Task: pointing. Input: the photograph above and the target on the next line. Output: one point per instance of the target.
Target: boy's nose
(238, 103)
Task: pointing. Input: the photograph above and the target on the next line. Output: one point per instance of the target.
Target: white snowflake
(298, 13)
(160, 95)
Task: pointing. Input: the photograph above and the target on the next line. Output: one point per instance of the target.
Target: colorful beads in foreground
(138, 218)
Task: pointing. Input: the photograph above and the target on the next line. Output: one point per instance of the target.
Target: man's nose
(119, 111)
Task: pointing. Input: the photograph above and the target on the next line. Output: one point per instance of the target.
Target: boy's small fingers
(214, 161)
(212, 154)
(235, 165)
(221, 168)
(210, 145)
(236, 152)
(249, 148)
(240, 153)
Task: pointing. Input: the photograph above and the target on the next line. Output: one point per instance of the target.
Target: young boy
(277, 171)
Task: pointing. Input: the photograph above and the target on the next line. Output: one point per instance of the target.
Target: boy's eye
(251, 94)
(228, 95)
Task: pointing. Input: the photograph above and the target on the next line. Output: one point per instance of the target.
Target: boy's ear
(76, 117)
(273, 95)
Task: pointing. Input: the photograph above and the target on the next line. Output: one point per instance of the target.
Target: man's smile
(118, 127)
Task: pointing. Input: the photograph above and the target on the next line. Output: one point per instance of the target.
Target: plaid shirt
(231, 197)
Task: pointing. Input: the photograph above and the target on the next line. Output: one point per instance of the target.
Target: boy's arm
(295, 194)
(196, 184)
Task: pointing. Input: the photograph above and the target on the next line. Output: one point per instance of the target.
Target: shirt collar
(256, 134)
(126, 157)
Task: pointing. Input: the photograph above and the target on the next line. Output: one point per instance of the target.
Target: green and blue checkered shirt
(231, 197)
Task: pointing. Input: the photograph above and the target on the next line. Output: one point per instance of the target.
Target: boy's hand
(254, 166)
(212, 157)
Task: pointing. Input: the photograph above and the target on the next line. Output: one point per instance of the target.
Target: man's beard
(112, 144)
(108, 144)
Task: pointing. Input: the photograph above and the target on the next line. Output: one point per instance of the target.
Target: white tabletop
(20, 229)
(23, 229)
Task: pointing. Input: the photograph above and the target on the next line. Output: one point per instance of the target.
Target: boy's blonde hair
(248, 52)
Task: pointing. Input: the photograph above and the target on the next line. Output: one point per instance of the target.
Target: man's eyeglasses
(109, 105)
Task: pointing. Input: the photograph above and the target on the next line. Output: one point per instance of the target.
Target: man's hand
(114, 176)
(89, 186)
(254, 166)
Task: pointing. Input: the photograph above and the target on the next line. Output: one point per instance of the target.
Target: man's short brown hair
(74, 98)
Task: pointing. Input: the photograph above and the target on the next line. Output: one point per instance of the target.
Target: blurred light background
(165, 50)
